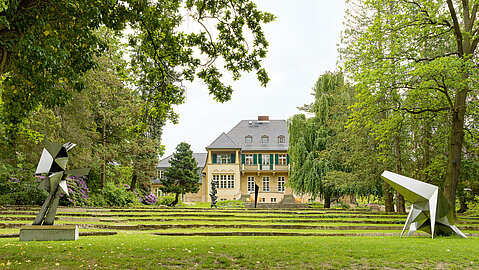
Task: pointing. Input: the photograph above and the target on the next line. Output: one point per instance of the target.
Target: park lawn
(143, 250)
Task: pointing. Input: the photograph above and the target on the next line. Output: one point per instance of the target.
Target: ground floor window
(273, 199)
(225, 180)
(262, 199)
(250, 183)
(266, 183)
(281, 183)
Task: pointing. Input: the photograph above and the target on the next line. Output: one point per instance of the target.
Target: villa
(254, 152)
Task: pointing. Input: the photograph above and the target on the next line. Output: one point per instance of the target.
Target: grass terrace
(234, 238)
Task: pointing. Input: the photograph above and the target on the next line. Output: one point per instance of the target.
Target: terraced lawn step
(13, 235)
(366, 221)
(237, 226)
(269, 234)
(283, 234)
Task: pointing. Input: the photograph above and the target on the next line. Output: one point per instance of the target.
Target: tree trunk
(133, 180)
(400, 206)
(103, 165)
(388, 198)
(455, 147)
(175, 202)
(327, 201)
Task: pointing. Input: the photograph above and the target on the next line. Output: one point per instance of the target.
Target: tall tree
(182, 177)
(432, 60)
(322, 150)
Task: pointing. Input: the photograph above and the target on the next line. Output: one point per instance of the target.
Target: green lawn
(141, 250)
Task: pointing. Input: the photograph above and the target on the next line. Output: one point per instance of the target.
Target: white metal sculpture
(430, 211)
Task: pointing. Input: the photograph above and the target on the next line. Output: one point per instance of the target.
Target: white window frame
(248, 159)
(248, 139)
(281, 182)
(225, 180)
(266, 183)
(161, 174)
(273, 200)
(282, 159)
(281, 139)
(265, 159)
(251, 184)
(223, 159)
(263, 139)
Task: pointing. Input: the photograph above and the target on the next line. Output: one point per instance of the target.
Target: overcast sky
(303, 45)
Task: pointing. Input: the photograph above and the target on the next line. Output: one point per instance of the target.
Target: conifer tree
(182, 177)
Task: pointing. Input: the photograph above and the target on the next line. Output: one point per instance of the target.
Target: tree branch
(457, 30)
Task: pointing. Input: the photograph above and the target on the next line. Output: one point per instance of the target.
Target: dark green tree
(182, 177)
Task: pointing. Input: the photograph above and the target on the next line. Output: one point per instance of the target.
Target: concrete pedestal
(49, 233)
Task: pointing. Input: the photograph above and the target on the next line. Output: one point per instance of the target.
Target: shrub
(150, 199)
(230, 204)
(166, 200)
(97, 200)
(20, 187)
(118, 196)
(78, 192)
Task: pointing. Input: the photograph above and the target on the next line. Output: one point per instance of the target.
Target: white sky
(303, 45)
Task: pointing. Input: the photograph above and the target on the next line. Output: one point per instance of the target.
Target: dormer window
(248, 139)
(264, 139)
(281, 139)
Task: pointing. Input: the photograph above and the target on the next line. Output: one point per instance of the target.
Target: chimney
(263, 118)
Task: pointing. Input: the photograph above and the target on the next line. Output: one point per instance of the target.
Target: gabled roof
(223, 142)
(199, 157)
(256, 129)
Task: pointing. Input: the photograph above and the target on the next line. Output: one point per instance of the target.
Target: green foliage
(166, 200)
(230, 204)
(114, 195)
(325, 155)
(414, 65)
(44, 56)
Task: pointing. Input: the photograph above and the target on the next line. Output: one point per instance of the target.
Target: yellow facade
(270, 177)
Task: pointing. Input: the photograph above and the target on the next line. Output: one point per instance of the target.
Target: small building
(254, 152)
(164, 164)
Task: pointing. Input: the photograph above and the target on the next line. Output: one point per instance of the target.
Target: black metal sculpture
(213, 194)
(53, 162)
(256, 191)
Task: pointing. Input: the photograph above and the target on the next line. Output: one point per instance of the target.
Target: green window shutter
(276, 159)
(243, 158)
(271, 167)
(271, 156)
(233, 158)
(255, 159)
(287, 158)
(214, 158)
(260, 157)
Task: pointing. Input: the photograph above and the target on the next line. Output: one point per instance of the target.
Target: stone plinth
(49, 233)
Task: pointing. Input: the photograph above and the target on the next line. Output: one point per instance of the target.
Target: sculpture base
(49, 233)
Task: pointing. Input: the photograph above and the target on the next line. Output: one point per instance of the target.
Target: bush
(118, 196)
(166, 200)
(20, 187)
(77, 190)
(150, 199)
(97, 200)
(230, 204)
